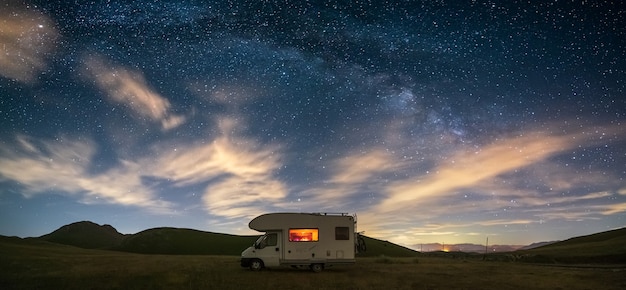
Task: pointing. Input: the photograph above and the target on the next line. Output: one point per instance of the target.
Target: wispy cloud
(27, 37)
(126, 86)
(361, 167)
(490, 186)
(239, 172)
(470, 168)
(466, 168)
(349, 176)
(614, 208)
(62, 166)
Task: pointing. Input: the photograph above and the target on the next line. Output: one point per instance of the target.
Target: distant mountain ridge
(466, 248)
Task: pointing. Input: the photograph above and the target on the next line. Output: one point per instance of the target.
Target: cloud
(27, 38)
(62, 166)
(515, 182)
(350, 177)
(498, 222)
(226, 154)
(130, 87)
(471, 168)
(360, 167)
(242, 197)
(614, 208)
(239, 172)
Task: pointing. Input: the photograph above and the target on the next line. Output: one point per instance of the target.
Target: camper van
(314, 240)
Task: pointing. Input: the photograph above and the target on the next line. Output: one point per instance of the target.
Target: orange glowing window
(303, 235)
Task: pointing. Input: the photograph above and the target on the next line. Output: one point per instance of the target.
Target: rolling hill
(376, 247)
(86, 235)
(604, 247)
(177, 241)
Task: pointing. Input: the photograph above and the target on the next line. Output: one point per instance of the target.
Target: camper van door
(269, 249)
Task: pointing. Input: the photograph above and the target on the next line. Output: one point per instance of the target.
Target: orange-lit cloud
(62, 166)
(129, 87)
(614, 208)
(467, 168)
(492, 182)
(27, 38)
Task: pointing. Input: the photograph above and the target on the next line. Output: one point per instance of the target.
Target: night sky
(433, 121)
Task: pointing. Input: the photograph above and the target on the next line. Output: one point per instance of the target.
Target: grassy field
(42, 265)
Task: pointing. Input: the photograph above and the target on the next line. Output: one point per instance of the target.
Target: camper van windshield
(258, 241)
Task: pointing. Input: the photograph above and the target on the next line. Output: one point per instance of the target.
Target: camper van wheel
(256, 265)
(317, 267)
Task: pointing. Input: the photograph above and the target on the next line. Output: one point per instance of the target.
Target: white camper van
(314, 240)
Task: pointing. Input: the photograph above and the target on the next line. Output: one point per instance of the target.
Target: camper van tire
(317, 267)
(256, 265)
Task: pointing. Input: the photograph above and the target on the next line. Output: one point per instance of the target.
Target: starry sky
(433, 121)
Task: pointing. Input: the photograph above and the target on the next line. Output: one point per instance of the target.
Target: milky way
(431, 120)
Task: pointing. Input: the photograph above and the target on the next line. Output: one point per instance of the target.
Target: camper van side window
(267, 240)
(303, 235)
(342, 233)
(272, 239)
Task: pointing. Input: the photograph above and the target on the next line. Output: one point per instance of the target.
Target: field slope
(37, 264)
(605, 248)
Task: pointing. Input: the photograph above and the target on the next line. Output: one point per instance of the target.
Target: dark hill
(537, 245)
(376, 247)
(86, 235)
(177, 241)
(604, 247)
(185, 242)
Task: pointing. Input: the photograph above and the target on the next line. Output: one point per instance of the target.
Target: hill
(604, 247)
(86, 235)
(537, 245)
(376, 247)
(177, 241)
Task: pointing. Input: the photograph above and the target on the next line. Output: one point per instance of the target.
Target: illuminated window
(342, 233)
(303, 235)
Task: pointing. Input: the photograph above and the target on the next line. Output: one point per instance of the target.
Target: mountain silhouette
(86, 234)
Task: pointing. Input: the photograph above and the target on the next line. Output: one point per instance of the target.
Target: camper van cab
(313, 240)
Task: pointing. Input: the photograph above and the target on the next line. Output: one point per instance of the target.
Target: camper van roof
(276, 221)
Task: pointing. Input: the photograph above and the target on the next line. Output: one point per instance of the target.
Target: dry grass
(60, 267)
